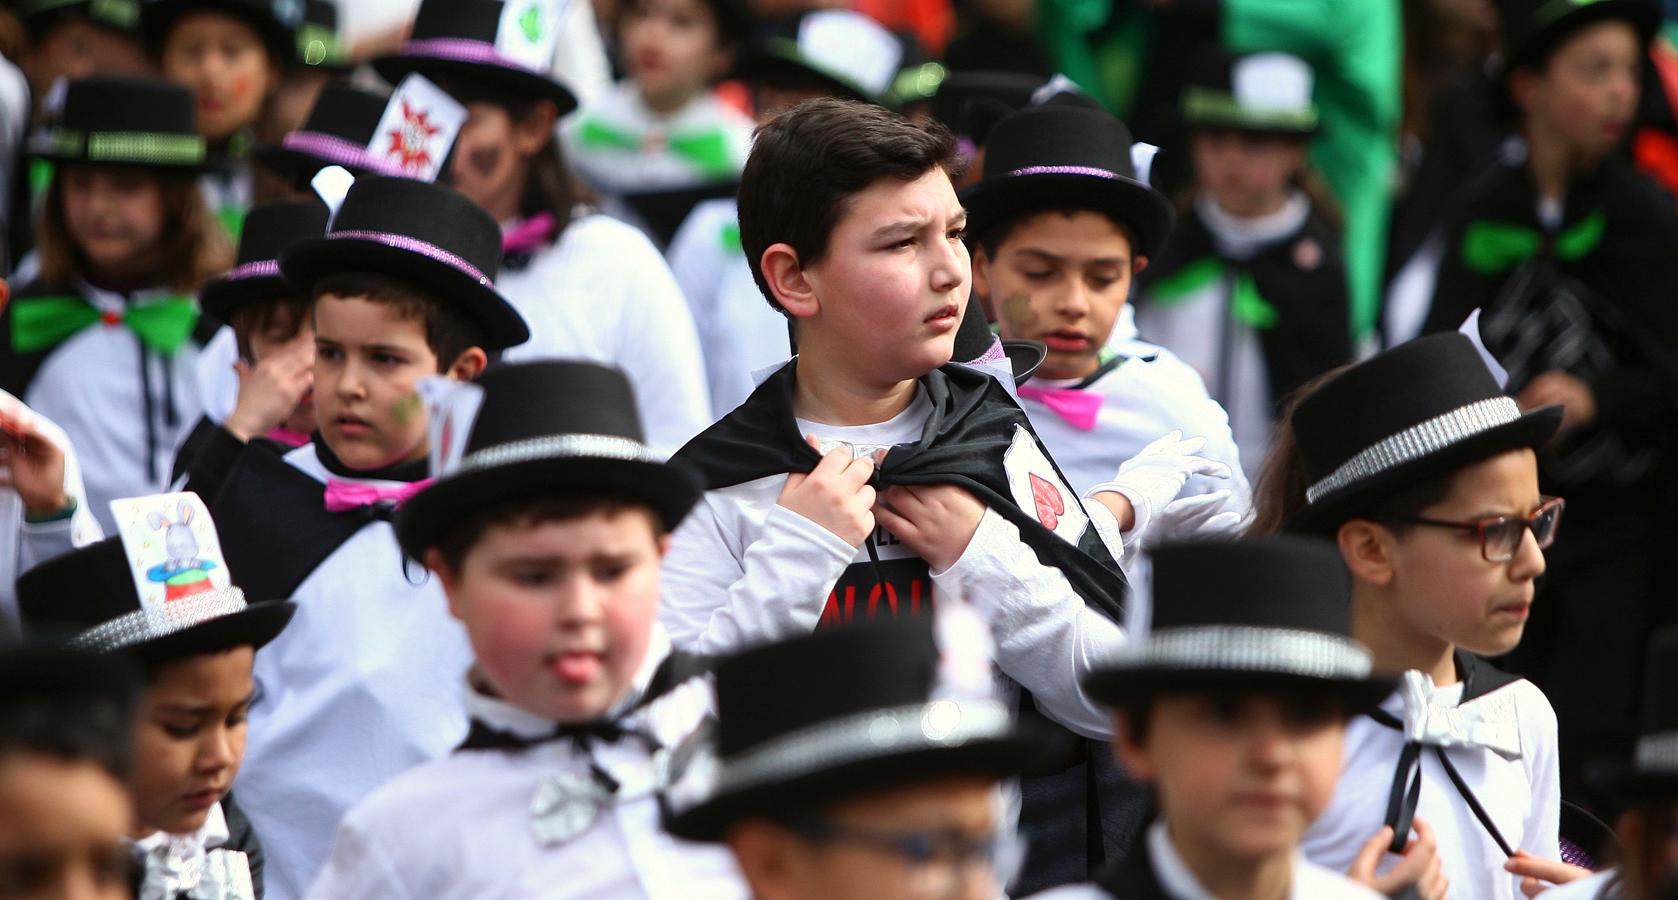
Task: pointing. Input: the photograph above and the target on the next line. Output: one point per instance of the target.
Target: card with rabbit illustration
(172, 548)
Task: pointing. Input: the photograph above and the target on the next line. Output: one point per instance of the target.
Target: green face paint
(406, 408)
(1018, 315)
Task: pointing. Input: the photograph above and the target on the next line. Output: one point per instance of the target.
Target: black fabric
(208, 455)
(1532, 29)
(1134, 877)
(772, 57)
(122, 103)
(663, 212)
(269, 229)
(1313, 327)
(242, 837)
(469, 20)
(970, 103)
(342, 111)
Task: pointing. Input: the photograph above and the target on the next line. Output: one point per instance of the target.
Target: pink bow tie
(343, 496)
(287, 437)
(1078, 408)
(529, 234)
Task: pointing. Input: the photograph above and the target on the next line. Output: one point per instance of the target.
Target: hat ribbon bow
(1079, 408)
(343, 496)
(40, 323)
(1492, 248)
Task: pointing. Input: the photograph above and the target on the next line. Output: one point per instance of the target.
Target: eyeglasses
(939, 860)
(1500, 536)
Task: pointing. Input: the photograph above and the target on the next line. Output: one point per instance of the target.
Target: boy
(546, 531)
(64, 753)
(849, 211)
(269, 325)
(1234, 709)
(1060, 226)
(1250, 290)
(886, 790)
(1424, 473)
(355, 692)
(1567, 252)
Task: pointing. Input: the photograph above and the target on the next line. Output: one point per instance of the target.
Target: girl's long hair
(191, 247)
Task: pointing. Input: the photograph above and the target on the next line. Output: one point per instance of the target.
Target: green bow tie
(707, 150)
(1492, 248)
(39, 323)
(1246, 304)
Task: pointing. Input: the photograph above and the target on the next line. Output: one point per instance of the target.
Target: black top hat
(319, 46)
(1268, 614)
(1652, 773)
(1532, 29)
(974, 340)
(89, 593)
(548, 428)
(971, 103)
(269, 230)
(843, 51)
(424, 234)
(68, 704)
(336, 133)
(117, 15)
(1268, 93)
(908, 713)
(454, 43)
(275, 21)
(1064, 156)
(124, 121)
(1419, 410)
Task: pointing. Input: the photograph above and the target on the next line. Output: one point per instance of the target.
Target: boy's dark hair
(532, 511)
(998, 233)
(88, 723)
(279, 319)
(809, 161)
(448, 332)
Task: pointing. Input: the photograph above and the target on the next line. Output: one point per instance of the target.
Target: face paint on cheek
(406, 409)
(1017, 310)
(484, 161)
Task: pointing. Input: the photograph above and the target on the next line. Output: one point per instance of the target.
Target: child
(1567, 253)
(104, 339)
(886, 790)
(76, 39)
(195, 641)
(1060, 226)
(1424, 473)
(1250, 290)
(43, 509)
(354, 693)
(1234, 708)
(268, 324)
(65, 723)
(661, 136)
(321, 57)
(590, 286)
(230, 54)
(546, 533)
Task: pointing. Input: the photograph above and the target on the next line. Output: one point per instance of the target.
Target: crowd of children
(798, 471)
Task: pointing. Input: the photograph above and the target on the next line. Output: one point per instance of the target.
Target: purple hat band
(463, 50)
(1091, 171)
(415, 245)
(338, 151)
(260, 268)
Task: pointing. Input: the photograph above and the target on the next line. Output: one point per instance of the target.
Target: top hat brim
(1116, 685)
(670, 489)
(1643, 16)
(221, 297)
(310, 261)
(298, 167)
(1023, 749)
(1025, 358)
(1003, 197)
(762, 65)
(254, 626)
(158, 16)
(500, 81)
(1532, 431)
(1623, 783)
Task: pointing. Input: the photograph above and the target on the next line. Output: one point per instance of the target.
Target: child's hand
(270, 391)
(937, 521)
(1152, 478)
(1538, 873)
(1418, 867)
(835, 495)
(33, 465)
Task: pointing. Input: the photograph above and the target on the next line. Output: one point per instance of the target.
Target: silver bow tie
(182, 867)
(1488, 722)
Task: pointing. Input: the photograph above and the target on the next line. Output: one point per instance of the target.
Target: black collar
(417, 470)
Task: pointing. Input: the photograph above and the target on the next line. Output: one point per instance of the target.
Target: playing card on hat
(418, 128)
(529, 31)
(840, 40)
(1271, 81)
(172, 548)
(453, 407)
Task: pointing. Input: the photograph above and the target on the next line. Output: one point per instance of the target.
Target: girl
(189, 839)
(103, 340)
(230, 54)
(590, 287)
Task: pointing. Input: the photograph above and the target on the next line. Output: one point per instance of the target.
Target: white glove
(1152, 479)
(1199, 516)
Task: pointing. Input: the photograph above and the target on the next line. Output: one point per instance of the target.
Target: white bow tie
(1488, 722)
(186, 865)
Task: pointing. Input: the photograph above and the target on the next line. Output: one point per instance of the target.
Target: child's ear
(532, 133)
(1130, 754)
(786, 279)
(468, 365)
(1367, 549)
(447, 577)
(1138, 264)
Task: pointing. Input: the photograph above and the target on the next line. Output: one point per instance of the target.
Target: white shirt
(743, 571)
(594, 140)
(740, 331)
(33, 544)
(90, 385)
(193, 865)
(1591, 888)
(459, 827)
(218, 381)
(1522, 796)
(363, 684)
(603, 293)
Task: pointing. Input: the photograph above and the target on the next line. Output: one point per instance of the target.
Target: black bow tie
(482, 736)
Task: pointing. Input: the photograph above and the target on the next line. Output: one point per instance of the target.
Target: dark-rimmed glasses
(1500, 536)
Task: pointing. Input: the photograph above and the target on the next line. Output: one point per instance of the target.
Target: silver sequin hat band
(558, 446)
(1657, 754)
(1248, 648)
(154, 622)
(1417, 442)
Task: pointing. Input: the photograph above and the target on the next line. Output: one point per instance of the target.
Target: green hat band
(119, 14)
(139, 147)
(1205, 106)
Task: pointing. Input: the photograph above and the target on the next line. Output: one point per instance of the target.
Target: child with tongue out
(546, 534)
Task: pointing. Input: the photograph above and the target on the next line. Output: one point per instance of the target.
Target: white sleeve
(1047, 638)
(658, 347)
(1540, 832)
(581, 63)
(359, 867)
(697, 268)
(46, 540)
(716, 600)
